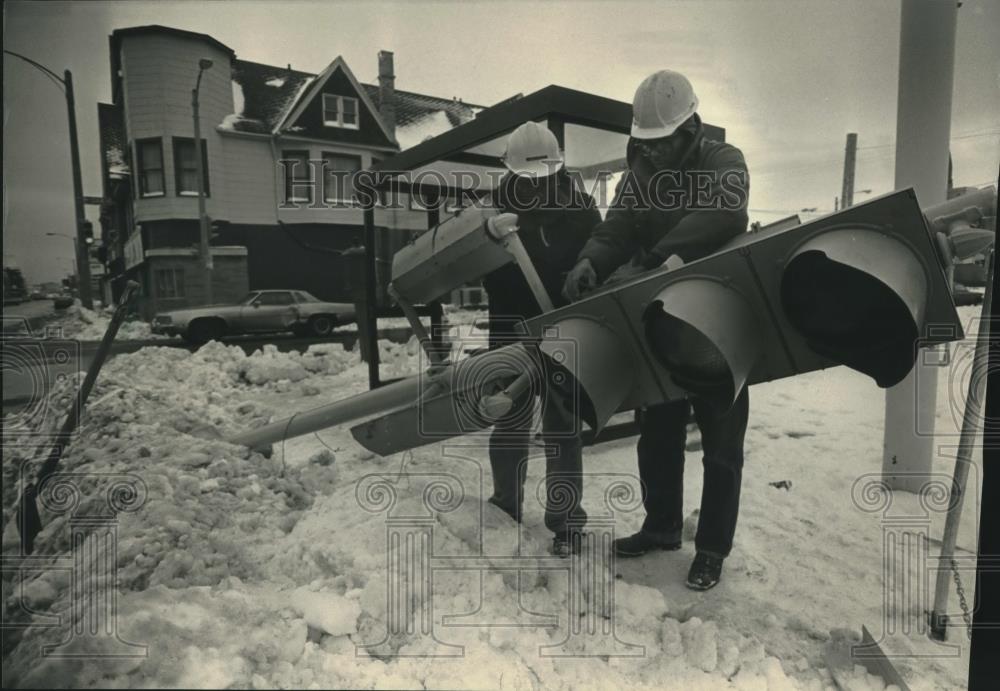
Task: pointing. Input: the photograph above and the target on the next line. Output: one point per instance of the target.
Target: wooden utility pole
(850, 156)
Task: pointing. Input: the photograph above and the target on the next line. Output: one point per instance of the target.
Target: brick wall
(229, 282)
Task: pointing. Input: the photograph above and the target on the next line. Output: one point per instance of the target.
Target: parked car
(61, 302)
(261, 311)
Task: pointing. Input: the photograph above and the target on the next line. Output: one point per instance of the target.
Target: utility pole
(923, 127)
(81, 252)
(206, 253)
(850, 156)
(82, 248)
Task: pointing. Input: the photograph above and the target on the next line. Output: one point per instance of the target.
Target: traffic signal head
(88, 232)
(451, 254)
(862, 288)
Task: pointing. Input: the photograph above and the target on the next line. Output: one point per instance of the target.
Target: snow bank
(83, 324)
(253, 572)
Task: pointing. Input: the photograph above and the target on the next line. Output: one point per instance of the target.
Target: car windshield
(306, 297)
(249, 298)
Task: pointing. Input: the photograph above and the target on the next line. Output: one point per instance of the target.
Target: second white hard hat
(662, 103)
(533, 150)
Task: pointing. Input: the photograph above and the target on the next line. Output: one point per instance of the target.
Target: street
(35, 311)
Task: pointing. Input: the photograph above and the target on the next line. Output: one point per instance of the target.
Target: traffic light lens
(692, 359)
(849, 316)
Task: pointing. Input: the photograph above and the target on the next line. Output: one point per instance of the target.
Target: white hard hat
(533, 150)
(662, 103)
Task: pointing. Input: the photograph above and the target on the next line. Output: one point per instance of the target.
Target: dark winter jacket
(690, 212)
(552, 237)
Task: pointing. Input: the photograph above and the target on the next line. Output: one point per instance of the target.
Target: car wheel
(205, 330)
(321, 325)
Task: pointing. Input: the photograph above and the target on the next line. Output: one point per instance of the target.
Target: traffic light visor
(857, 297)
(705, 334)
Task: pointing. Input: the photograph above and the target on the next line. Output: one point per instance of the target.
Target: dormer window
(340, 111)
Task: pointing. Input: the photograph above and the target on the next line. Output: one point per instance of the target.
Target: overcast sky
(788, 80)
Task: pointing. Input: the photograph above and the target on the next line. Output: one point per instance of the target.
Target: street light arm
(38, 65)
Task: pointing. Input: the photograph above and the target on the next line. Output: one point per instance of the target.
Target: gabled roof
(267, 94)
(114, 143)
(316, 86)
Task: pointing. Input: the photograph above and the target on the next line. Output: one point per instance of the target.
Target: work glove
(624, 273)
(581, 279)
(501, 225)
(673, 262)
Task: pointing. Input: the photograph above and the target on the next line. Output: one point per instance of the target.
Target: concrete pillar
(923, 127)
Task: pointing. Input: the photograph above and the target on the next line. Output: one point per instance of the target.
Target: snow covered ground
(83, 324)
(240, 570)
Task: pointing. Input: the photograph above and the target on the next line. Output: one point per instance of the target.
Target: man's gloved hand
(624, 273)
(673, 262)
(581, 279)
(502, 225)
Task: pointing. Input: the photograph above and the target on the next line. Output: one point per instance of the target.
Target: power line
(968, 135)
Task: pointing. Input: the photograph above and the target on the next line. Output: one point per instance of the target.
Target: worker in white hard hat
(554, 220)
(682, 197)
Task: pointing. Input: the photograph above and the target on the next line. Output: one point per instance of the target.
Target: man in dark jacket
(554, 219)
(682, 198)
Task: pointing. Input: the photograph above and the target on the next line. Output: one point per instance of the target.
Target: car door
(273, 310)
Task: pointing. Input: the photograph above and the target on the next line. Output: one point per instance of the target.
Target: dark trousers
(662, 436)
(509, 444)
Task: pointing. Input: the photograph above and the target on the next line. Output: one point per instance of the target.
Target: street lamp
(80, 251)
(206, 254)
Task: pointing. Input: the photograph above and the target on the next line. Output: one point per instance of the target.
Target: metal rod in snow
(963, 460)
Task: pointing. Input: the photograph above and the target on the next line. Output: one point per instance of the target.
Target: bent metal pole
(368, 403)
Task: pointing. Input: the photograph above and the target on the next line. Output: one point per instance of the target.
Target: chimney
(387, 91)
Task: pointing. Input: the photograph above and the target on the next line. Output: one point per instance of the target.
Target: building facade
(279, 149)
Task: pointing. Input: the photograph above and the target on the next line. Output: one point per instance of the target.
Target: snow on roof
(270, 92)
(239, 102)
(290, 102)
(431, 125)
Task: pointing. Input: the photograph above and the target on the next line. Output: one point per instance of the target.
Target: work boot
(515, 514)
(640, 543)
(565, 544)
(706, 570)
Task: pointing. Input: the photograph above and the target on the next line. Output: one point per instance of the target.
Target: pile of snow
(270, 365)
(276, 82)
(83, 324)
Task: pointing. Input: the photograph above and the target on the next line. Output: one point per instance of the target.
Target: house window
(169, 283)
(149, 153)
(340, 111)
(186, 169)
(298, 176)
(339, 178)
